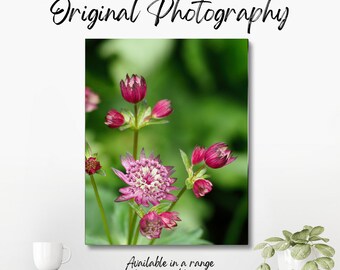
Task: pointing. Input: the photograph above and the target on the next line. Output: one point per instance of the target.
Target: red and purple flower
(162, 109)
(91, 100)
(149, 181)
(133, 89)
(92, 165)
(218, 155)
(151, 224)
(197, 155)
(202, 187)
(114, 119)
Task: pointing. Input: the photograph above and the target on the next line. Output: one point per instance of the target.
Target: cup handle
(69, 255)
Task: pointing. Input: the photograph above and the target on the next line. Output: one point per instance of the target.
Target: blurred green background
(206, 81)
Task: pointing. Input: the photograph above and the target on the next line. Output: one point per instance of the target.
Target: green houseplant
(305, 250)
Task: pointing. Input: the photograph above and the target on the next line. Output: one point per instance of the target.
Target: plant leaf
(317, 230)
(201, 174)
(263, 266)
(101, 172)
(274, 239)
(122, 128)
(282, 245)
(318, 238)
(88, 151)
(260, 246)
(325, 263)
(156, 122)
(300, 237)
(268, 252)
(185, 160)
(307, 227)
(162, 207)
(139, 211)
(311, 265)
(325, 250)
(287, 235)
(300, 251)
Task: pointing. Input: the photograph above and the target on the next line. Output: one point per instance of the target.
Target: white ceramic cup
(49, 255)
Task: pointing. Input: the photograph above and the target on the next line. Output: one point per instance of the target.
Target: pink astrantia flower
(91, 100)
(169, 219)
(114, 119)
(162, 109)
(133, 89)
(92, 165)
(149, 181)
(151, 225)
(201, 187)
(197, 155)
(218, 155)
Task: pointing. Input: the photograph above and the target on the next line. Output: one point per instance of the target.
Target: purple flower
(149, 181)
(201, 187)
(151, 225)
(197, 155)
(114, 119)
(169, 219)
(218, 155)
(91, 100)
(92, 165)
(133, 89)
(162, 109)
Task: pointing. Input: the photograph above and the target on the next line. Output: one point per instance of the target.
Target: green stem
(178, 197)
(101, 208)
(152, 241)
(135, 238)
(135, 134)
(133, 217)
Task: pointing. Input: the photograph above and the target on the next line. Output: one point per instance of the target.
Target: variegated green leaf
(268, 252)
(311, 265)
(300, 237)
(325, 250)
(263, 266)
(325, 263)
(287, 235)
(317, 230)
(260, 246)
(274, 239)
(282, 245)
(301, 251)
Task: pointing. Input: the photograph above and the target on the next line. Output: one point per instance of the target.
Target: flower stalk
(133, 220)
(101, 208)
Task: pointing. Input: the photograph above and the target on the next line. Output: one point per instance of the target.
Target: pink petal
(121, 176)
(127, 161)
(170, 197)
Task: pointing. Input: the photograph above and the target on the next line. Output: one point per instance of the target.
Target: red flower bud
(133, 89)
(218, 155)
(162, 109)
(201, 187)
(197, 155)
(114, 119)
(92, 165)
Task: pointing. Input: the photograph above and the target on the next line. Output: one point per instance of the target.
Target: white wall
(294, 169)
